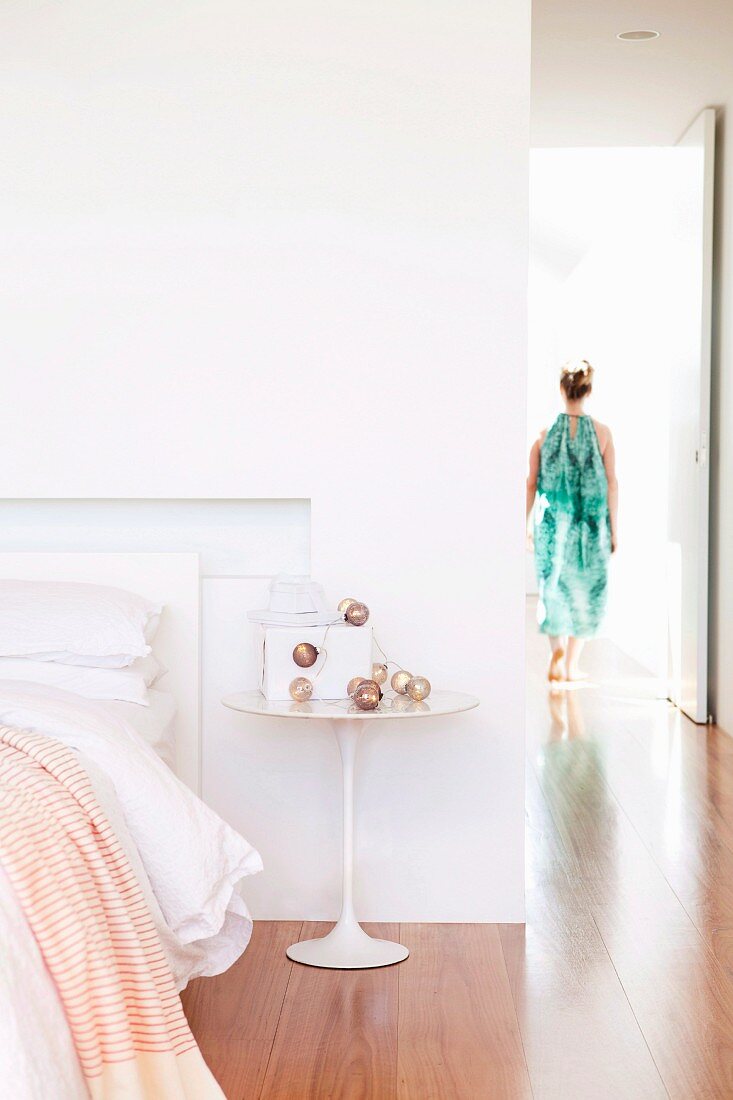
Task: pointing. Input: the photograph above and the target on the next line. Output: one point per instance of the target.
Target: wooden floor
(620, 986)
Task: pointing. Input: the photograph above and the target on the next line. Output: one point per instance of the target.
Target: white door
(690, 327)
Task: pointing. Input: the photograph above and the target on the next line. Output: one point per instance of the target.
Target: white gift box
(296, 601)
(345, 651)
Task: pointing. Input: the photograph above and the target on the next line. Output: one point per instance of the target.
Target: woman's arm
(534, 469)
(609, 461)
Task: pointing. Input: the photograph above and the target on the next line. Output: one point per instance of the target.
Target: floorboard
(235, 1015)
(458, 1030)
(565, 985)
(337, 1035)
(681, 998)
(642, 800)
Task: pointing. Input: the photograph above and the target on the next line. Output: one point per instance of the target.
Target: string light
(366, 693)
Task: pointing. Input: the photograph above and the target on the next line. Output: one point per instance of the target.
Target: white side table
(347, 946)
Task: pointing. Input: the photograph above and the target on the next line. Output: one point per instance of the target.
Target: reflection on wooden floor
(623, 978)
(621, 984)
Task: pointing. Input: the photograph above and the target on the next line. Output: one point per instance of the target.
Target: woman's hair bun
(576, 380)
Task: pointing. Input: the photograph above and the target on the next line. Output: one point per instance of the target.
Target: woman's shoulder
(602, 431)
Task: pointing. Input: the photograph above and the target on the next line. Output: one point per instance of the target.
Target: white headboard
(173, 579)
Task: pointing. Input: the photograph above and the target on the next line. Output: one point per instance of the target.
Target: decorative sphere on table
(357, 613)
(367, 694)
(345, 604)
(305, 654)
(400, 681)
(301, 689)
(379, 674)
(418, 688)
(354, 683)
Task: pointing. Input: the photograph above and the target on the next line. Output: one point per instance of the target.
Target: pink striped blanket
(88, 915)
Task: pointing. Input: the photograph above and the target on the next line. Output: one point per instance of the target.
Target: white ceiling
(588, 88)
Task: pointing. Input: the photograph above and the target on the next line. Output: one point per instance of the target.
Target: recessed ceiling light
(637, 36)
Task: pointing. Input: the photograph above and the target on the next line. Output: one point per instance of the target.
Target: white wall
(602, 288)
(279, 250)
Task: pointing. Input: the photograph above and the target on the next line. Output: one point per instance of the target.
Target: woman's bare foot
(555, 671)
(576, 674)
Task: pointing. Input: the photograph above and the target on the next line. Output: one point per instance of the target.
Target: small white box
(345, 651)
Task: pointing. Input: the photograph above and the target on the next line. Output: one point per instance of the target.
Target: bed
(186, 866)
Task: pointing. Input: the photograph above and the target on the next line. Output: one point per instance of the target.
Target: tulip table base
(347, 946)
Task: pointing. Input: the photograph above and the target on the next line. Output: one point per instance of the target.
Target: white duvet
(188, 861)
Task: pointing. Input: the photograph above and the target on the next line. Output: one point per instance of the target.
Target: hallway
(623, 980)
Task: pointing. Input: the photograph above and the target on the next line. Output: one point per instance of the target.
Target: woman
(572, 473)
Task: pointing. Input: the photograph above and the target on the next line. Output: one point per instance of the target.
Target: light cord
(324, 651)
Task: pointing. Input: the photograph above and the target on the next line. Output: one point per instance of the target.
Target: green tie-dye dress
(572, 531)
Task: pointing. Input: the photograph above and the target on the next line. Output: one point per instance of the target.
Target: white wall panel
(277, 782)
(231, 537)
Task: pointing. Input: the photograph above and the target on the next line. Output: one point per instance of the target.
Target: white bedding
(155, 723)
(188, 861)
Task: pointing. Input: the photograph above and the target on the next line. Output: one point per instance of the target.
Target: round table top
(439, 702)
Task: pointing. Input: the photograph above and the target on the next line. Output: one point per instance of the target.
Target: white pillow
(64, 621)
(116, 660)
(130, 685)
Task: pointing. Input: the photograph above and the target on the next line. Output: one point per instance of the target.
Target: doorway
(620, 269)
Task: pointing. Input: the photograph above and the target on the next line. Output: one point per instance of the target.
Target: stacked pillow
(86, 638)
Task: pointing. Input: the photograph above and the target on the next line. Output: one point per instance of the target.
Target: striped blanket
(88, 915)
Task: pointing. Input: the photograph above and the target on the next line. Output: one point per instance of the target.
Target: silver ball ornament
(305, 655)
(301, 689)
(400, 681)
(357, 613)
(379, 674)
(418, 688)
(367, 695)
